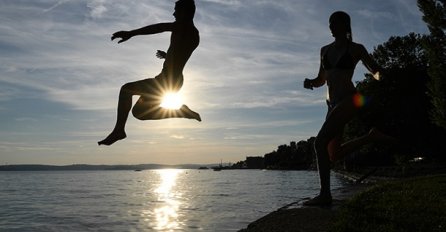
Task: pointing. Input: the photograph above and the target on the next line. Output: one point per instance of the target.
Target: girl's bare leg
(332, 127)
(374, 135)
(327, 146)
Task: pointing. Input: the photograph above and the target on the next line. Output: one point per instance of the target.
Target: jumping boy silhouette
(183, 41)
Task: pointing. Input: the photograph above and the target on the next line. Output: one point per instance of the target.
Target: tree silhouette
(435, 44)
(398, 105)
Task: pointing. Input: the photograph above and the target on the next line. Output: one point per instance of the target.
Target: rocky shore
(298, 218)
(403, 196)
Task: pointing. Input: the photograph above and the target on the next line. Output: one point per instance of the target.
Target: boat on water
(219, 167)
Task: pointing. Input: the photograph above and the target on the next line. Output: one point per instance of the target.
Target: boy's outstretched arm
(147, 30)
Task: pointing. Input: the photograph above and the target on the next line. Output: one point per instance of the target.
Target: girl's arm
(319, 80)
(370, 63)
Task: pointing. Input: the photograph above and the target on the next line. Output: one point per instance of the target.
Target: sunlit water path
(150, 200)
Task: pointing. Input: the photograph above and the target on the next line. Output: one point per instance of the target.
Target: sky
(60, 76)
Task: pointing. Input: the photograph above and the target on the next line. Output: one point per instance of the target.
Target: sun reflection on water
(166, 215)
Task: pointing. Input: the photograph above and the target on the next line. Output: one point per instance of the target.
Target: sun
(172, 100)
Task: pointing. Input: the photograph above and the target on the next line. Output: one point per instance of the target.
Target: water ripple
(155, 200)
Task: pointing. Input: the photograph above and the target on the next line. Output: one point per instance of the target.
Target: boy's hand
(124, 35)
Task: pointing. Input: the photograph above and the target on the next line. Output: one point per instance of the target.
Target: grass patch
(417, 204)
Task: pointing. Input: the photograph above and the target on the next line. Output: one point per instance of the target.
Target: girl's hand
(161, 54)
(308, 84)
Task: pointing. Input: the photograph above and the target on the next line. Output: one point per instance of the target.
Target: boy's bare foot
(189, 113)
(320, 200)
(112, 138)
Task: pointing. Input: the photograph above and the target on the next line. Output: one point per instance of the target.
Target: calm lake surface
(150, 200)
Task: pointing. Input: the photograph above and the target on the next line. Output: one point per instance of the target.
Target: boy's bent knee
(126, 87)
(145, 114)
(138, 113)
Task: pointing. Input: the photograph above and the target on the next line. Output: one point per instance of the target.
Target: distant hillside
(78, 167)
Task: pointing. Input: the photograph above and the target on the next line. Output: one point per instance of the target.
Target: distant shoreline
(91, 167)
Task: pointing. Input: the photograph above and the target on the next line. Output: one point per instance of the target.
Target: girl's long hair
(344, 18)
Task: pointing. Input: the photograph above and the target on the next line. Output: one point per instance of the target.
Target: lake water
(150, 200)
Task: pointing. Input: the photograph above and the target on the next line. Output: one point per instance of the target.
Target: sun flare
(172, 101)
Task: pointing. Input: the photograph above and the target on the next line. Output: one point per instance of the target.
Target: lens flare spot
(172, 101)
(359, 100)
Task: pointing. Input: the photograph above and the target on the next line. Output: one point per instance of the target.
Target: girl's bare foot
(112, 138)
(320, 200)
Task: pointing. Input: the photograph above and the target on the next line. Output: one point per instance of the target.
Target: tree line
(409, 103)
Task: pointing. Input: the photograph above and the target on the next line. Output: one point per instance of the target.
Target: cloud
(250, 53)
(55, 5)
(246, 74)
(97, 8)
(177, 136)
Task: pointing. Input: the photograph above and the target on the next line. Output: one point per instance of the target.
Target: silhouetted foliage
(296, 156)
(434, 14)
(401, 52)
(398, 105)
(409, 104)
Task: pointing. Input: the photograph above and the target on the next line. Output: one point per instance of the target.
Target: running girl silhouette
(338, 62)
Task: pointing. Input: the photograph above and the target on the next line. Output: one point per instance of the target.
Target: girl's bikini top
(345, 62)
